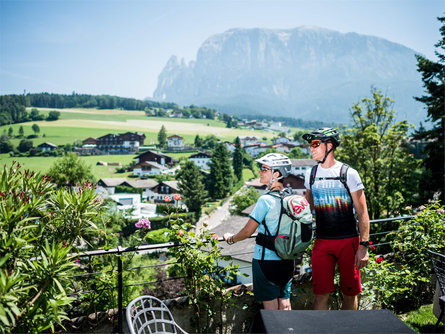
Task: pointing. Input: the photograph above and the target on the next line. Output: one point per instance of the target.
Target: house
(296, 183)
(155, 156)
(109, 184)
(256, 149)
(165, 188)
(146, 186)
(299, 166)
(128, 201)
(148, 168)
(176, 113)
(175, 142)
(241, 252)
(89, 142)
(230, 146)
(281, 140)
(202, 160)
(249, 140)
(120, 143)
(44, 147)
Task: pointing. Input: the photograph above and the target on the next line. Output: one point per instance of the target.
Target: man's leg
(284, 304)
(270, 304)
(349, 302)
(321, 302)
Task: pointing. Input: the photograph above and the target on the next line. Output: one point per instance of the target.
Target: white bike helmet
(278, 162)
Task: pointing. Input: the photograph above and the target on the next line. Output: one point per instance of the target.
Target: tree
(5, 144)
(10, 132)
(21, 131)
(25, 145)
(220, 178)
(191, 187)
(433, 77)
(297, 153)
(243, 199)
(35, 128)
(53, 115)
(162, 137)
(198, 141)
(69, 170)
(238, 159)
(376, 147)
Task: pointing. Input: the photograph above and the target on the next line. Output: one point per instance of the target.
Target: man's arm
(359, 199)
(309, 198)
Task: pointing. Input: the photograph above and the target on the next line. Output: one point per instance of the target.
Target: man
(333, 191)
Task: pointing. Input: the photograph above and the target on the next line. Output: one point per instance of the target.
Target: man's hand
(361, 257)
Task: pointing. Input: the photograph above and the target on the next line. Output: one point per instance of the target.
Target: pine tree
(433, 77)
(220, 178)
(162, 137)
(238, 159)
(191, 187)
(21, 131)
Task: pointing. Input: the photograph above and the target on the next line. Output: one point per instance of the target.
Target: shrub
(401, 280)
(39, 227)
(245, 198)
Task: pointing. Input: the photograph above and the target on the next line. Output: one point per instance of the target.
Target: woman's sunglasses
(263, 168)
(315, 144)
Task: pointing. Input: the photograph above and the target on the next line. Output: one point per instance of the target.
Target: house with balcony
(300, 166)
(202, 160)
(124, 143)
(155, 156)
(249, 140)
(148, 168)
(175, 143)
(165, 188)
(46, 147)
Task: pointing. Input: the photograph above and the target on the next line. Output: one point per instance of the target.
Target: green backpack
(294, 232)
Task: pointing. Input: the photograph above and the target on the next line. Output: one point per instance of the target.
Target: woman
(272, 276)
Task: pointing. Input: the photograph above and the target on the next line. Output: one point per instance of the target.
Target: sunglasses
(315, 144)
(263, 169)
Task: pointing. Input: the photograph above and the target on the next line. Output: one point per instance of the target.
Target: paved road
(217, 217)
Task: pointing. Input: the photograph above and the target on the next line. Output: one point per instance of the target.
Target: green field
(76, 125)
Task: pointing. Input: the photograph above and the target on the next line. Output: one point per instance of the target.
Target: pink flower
(177, 197)
(143, 223)
(180, 232)
(379, 259)
(77, 262)
(440, 211)
(167, 199)
(215, 237)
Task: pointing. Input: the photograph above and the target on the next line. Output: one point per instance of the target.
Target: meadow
(75, 125)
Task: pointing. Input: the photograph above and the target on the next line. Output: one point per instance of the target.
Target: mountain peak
(295, 72)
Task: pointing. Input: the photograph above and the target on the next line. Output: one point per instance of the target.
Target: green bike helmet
(323, 134)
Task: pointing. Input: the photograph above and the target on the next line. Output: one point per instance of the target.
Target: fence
(149, 248)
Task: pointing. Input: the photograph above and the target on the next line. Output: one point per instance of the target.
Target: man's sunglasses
(315, 144)
(263, 168)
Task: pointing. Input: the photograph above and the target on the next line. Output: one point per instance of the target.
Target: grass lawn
(422, 320)
(42, 164)
(76, 125)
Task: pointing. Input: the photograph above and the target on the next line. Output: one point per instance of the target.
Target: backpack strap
(344, 177)
(266, 240)
(313, 173)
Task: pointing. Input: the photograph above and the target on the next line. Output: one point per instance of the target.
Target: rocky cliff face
(307, 72)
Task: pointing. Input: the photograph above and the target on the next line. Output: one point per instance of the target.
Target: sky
(120, 47)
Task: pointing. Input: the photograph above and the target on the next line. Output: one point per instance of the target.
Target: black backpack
(342, 177)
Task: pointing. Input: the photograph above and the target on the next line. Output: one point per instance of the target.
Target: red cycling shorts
(325, 255)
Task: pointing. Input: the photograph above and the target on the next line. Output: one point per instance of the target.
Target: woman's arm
(244, 233)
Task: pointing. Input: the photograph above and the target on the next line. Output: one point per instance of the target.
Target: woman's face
(265, 174)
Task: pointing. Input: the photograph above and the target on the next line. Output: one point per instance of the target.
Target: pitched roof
(172, 184)
(149, 183)
(112, 182)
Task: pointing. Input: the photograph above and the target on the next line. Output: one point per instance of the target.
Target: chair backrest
(149, 315)
(438, 261)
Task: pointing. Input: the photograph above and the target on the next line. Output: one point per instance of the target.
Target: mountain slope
(304, 72)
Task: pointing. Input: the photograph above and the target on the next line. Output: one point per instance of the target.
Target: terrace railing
(150, 248)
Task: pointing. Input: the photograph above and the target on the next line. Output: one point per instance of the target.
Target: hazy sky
(120, 47)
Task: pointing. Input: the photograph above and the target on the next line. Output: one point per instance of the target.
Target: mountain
(306, 72)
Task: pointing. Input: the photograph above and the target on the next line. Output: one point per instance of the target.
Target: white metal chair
(149, 315)
(438, 261)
